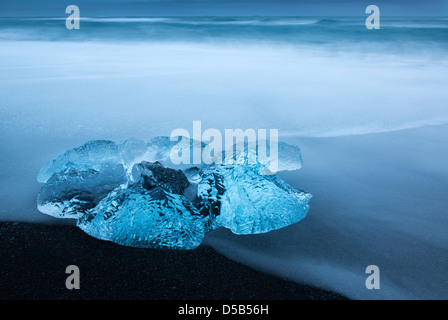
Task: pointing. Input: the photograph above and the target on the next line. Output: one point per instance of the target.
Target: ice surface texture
(131, 193)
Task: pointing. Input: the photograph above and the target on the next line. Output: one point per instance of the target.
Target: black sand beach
(34, 258)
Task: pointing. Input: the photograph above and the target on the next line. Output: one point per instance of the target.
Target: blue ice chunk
(91, 155)
(70, 193)
(271, 158)
(159, 149)
(138, 217)
(96, 154)
(289, 157)
(131, 192)
(246, 202)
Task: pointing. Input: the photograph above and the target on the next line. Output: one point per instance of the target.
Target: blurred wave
(292, 30)
(308, 76)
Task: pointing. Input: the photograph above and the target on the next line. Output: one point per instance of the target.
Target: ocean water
(321, 81)
(320, 76)
(291, 30)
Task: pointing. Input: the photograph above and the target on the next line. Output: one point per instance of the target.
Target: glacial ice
(288, 157)
(92, 155)
(97, 154)
(71, 192)
(138, 217)
(132, 194)
(250, 203)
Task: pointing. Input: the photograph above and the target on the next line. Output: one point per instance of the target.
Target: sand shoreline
(34, 258)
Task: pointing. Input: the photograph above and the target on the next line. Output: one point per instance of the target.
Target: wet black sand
(34, 258)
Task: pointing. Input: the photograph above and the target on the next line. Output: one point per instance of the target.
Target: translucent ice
(285, 157)
(139, 217)
(241, 199)
(70, 193)
(92, 155)
(132, 194)
(96, 154)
